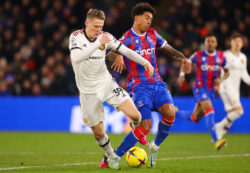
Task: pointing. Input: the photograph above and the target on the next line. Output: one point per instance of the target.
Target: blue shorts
(151, 97)
(202, 93)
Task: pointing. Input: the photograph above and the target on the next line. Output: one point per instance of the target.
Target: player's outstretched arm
(245, 75)
(185, 63)
(137, 58)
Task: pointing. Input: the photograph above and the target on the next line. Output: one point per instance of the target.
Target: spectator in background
(33, 31)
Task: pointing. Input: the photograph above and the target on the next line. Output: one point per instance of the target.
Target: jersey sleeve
(74, 42)
(245, 75)
(161, 42)
(224, 62)
(193, 57)
(114, 44)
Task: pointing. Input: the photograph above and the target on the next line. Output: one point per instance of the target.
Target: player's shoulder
(151, 30)
(77, 33)
(199, 53)
(220, 53)
(243, 56)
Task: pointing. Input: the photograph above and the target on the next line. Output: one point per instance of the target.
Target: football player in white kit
(230, 88)
(95, 84)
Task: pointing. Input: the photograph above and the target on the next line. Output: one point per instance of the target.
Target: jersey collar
(210, 54)
(90, 40)
(137, 33)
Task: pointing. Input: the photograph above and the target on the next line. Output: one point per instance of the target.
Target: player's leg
(120, 100)
(163, 103)
(234, 111)
(93, 116)
(194, 115)
(129, 108)
(209, 115)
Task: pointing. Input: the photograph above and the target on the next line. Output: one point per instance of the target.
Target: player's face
(210, 44)
(94, 27)
(144, 21)
(237, 43)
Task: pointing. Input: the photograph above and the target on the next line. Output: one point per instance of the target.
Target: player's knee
(98, 135)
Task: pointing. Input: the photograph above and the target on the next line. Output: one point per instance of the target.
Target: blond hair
(95, 13)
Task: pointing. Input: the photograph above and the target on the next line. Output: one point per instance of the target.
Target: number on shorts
(119, 91)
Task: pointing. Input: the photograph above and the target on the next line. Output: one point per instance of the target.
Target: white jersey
(230, 87)
(88, 60)
(90, 73)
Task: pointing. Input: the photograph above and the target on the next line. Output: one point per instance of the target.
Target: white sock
(230, 118)
(105, 144)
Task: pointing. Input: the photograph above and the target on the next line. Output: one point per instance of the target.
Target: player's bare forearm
(175, 54)
(111, 56)
(226, 74)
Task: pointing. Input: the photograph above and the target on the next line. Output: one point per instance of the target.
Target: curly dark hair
(140, 8)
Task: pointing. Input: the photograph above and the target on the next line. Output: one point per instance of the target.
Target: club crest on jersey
(102, 47)
(242, 61)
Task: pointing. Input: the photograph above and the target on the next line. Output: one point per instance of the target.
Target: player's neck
(137, 30)
(211, 53)
(236, 52)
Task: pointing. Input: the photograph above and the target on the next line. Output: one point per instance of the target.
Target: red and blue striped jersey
(208, 68)
(145, 45)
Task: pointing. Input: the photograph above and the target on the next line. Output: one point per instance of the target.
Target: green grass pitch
(68, 153)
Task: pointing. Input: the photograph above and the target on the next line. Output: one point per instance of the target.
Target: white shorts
(230, 97)
(92, 104)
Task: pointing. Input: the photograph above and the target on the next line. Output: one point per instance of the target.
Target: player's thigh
(98, 130)
(92, 109)
(128, 108)
(231, 100)
(144, 102)
(163, 101)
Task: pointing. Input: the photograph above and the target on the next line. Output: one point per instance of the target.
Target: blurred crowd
(34, 55)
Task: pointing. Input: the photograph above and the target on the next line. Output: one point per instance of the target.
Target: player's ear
(86, 22)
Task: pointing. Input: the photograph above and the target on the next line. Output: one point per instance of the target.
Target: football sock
(184, 114)
(130, 140)
(209, 114)
(163, 130)
(105, 144)
(230, 118)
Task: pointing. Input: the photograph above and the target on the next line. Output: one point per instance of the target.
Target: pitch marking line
(163, 159)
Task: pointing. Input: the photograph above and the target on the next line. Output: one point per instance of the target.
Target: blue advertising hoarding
(63, 114)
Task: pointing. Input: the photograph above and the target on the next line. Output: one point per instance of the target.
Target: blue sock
(162, 133)
(184, 114)
(129, 141)
(211, 126)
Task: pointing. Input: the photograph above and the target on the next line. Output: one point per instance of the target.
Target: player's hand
(118, 64)
(186, 66)
(217, 84)
(181, 80)
(104, 38)
(149, 68)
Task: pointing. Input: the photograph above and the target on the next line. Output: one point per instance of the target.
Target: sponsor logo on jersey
(206, 67)
(148, 51)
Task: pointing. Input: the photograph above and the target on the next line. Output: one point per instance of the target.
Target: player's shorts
(202, 93)
(92, 104)
(151, 97)
(230, 97)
